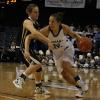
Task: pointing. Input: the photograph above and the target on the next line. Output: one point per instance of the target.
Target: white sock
(37, 82)
(24, 73)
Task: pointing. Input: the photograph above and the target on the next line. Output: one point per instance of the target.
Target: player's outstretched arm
(69, 32)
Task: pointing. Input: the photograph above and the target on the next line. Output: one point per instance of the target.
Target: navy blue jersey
(25, 33)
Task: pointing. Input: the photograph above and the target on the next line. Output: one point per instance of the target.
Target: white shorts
(64, 55)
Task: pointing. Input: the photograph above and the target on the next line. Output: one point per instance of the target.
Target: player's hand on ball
(84, 44)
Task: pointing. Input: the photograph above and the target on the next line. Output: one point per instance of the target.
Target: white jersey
(63, 49)
(58, 41)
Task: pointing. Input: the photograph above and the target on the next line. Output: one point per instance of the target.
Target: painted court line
(11, 98)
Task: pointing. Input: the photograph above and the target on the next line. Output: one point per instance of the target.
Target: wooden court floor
(9, 92)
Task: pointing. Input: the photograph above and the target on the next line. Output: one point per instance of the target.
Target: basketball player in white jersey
(30, 27)
(63, 52)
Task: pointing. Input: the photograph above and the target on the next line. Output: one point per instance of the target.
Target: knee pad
(39, 70)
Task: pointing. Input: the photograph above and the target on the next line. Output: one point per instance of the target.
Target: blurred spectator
(95, 29)
(97, 41)
(13, 46)
(72, 27)
(97, 61)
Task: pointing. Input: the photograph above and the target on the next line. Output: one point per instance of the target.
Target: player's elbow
(29, 36)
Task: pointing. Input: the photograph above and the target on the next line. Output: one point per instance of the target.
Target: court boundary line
(12, 98)
(30, 98)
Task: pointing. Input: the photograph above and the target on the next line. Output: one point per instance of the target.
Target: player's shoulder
(27, 21)
(64, 26)
(46, 28)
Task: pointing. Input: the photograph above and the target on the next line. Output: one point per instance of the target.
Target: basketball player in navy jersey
(63, 52)
(30, 26)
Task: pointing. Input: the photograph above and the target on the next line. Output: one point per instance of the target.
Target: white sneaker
(31, 77)
(82, 91)
(45, 91)
(18, 82)
(41, 90)
(84, 87)
(79, 94)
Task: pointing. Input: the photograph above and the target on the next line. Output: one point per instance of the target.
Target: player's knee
(39, 69)
(63, 72)
(66, 65)
(64, 69)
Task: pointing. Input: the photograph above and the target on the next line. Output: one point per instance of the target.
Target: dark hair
(30, 7)
(58, 16)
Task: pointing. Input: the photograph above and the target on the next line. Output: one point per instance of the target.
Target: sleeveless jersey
(59, 40)
(25, 32)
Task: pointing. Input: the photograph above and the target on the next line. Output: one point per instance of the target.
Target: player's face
(53, 23)
(35, 13)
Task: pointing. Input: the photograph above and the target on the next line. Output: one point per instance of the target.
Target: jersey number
(57, 45)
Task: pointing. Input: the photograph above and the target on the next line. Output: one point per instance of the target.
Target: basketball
(84, 44)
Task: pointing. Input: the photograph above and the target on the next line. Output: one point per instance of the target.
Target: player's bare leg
(74, 79)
